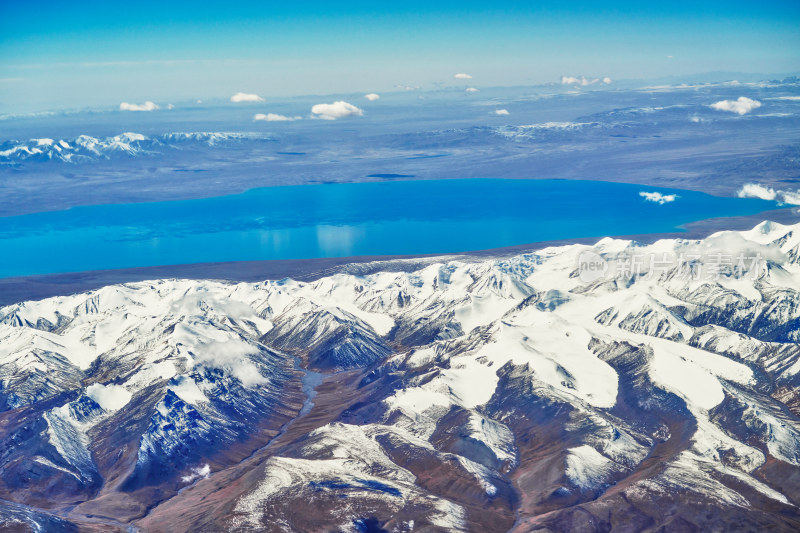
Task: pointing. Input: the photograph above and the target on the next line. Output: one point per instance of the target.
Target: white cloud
(471, 90)
(233, 356)
(584, 81)
(274, 117)
(501, 112)
(187, 390)
(756, 190)
(197, 472)
(789, 197)
(147, 106)
(109, 397)
(462, 76)
(336, 110)
(244, 97)
(741, 105)
(372, 97)
(658, 198)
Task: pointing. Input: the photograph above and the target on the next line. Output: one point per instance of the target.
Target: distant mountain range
(86, 148)
(688, 136)
(578, 388)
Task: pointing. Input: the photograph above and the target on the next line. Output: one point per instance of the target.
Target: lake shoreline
(24, 288)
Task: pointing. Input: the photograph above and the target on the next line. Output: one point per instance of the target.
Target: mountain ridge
(502, 394)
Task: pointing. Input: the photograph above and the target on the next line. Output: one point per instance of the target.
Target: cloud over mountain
(462, 76)
(372, 97)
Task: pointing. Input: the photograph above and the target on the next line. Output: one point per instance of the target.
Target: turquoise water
(308, 221)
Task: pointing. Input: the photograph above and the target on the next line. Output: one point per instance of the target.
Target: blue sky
(86, 54)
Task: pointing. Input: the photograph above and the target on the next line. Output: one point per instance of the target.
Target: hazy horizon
(65, 56)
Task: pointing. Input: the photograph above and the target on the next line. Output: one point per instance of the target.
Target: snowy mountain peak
(86, 148)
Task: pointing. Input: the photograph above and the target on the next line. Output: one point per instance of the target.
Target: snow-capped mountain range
(85, 148)
(576, 388)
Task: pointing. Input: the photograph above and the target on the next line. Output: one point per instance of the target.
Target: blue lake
(309, 221)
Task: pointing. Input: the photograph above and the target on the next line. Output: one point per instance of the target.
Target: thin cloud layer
(501, 112)
(245, 97)
(339, 109)
(147, 106)
(232, 356)
(584, 81)
(462, 76)
(274, 117)
(372, 97)
(658, 198)
(756, 190)
(741, 105)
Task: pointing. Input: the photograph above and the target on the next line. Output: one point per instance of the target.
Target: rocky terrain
(655, 391)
